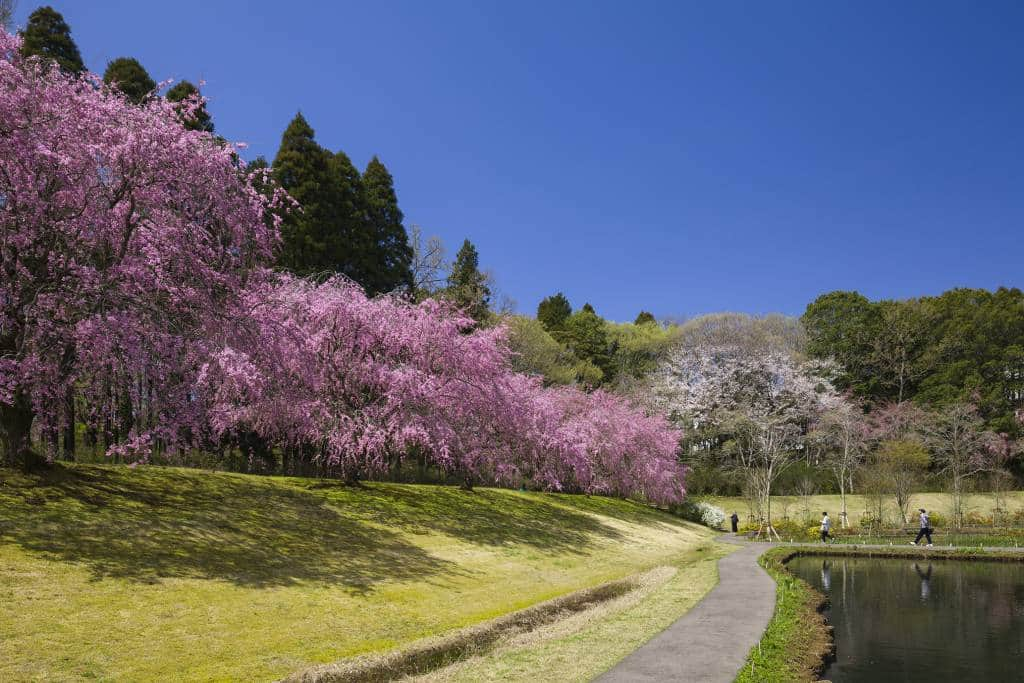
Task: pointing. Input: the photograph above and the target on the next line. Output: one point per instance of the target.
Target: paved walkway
(710, 643)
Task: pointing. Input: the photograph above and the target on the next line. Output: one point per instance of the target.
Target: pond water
(903, 620)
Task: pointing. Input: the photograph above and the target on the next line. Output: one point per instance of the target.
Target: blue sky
(677, 157)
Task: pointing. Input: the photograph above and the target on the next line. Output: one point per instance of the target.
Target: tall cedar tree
(467, 286)
(130, 78)
(47, 35)
(387, 263)
(308, 172)
(349, 239)
(196, 119)
(553, 311)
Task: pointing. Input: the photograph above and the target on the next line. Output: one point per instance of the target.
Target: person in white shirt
(826, 526)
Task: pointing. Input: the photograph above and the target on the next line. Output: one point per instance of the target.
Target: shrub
(788, 528)
(975, 519)
(701, 513)
(870, 522)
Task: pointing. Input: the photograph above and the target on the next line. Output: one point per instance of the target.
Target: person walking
(735, 519)
(926, 529)
(826, 526)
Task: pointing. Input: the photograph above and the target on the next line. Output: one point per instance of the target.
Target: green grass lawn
(160, 573)
(979, 503)
(583, 646)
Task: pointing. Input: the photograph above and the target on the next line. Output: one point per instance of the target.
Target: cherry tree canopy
(744, 391)
(124, 240)
(358, 381)
(134, 256)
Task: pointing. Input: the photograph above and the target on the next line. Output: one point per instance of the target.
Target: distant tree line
(965, 344)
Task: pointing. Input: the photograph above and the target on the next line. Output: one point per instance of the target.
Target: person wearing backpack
(926, 529)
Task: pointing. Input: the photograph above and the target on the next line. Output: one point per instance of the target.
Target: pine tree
(553, 311)
(307, 172)
(48, 36)
(467, 286)
(128, 76)
(388, 259)
(196, 119)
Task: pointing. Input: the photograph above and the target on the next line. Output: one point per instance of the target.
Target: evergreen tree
(467, 286)
(644, 318)
(48, 36)
(387, 263)
(308, 173)
(128, 76)
(350, 243)
(553, 311)
(6, 13)
(196, 119)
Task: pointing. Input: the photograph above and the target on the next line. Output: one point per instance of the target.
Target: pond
(904, 620)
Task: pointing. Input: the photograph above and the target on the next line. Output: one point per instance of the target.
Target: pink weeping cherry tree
(134, 258)
(125, 241)
(354, 383)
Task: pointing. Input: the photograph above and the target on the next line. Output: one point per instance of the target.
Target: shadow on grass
(150, 524)
(495, 517)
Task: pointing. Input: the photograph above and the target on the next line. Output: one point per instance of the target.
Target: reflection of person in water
(926, 580)
(826, 575)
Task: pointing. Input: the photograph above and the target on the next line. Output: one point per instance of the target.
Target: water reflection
(899, 620)
(926, 581)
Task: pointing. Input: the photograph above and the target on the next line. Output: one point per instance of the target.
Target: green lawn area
(161, 573)
(581, 647)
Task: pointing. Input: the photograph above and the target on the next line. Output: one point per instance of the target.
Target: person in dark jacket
(926, 529)
(735, 519)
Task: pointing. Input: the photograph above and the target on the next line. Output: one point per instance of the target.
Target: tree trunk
(958, 504)
(69, 427)
(843, 518)
(16, 421)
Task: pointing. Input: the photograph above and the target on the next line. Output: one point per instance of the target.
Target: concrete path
(710, 643)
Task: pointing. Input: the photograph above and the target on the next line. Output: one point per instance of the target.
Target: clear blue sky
(677, 157)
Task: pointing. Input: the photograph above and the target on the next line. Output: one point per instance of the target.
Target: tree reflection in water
(941, 620)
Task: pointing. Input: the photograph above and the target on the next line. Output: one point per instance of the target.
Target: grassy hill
(162, 573)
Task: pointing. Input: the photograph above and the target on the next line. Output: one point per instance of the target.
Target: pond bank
(798, 641)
